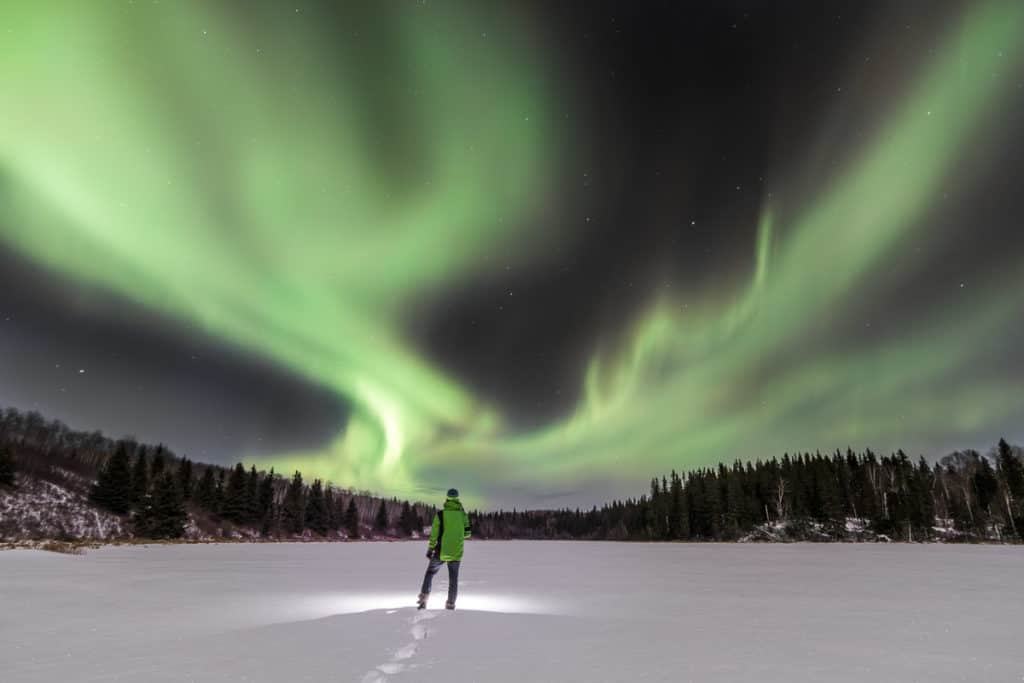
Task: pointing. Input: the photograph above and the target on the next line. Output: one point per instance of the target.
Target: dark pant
(453, 577)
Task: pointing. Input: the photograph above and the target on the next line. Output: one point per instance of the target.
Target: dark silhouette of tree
(6, 467)
(293, 510)
(330, 504)
(185, 479)
(1012, 469)
(206, 491)
(156, 470)
(140, 478)
(920, 512)
(235, 507)
(218, 494)
(381, 522)
(252, 496)
(985, 484)
(265, 503)
(734, 507)
(316, 509)
(167, 516)
(352, 519)
(662, 499)
(407, 520)
(113, 487)
(337, 510)
(986, 488)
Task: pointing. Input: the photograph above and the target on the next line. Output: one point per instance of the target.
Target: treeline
(162, 494)
(157, 498)
(965, 496)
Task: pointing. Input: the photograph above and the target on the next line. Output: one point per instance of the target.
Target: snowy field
(528, 611)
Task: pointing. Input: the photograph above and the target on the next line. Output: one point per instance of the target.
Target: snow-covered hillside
(528, 611)
(39, 509)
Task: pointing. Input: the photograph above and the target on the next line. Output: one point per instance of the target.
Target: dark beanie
(453, 493)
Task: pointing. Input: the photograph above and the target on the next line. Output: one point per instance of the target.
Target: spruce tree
(1012, 470)
(113, 487)
(156, 470)
(826, 485)
(316, 509)
(352, 519)
(339, 511)
(651, 520)
(167, 516)
(265, 503)
(734, 507)
(235, 507)
(330, 505)
(985, 484)
(664, 510)
(218, 494)
(698, 505)
(986, 488)
(923, 514)
(407, 520)
(6, 467)
(142, 517)
(185, 479)
(140, 478)
(381, 522)
(293, 509)
(206, 490)
(713, 495)
(677, 526)
(252, 496)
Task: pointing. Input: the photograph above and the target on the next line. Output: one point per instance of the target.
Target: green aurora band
(226, 174)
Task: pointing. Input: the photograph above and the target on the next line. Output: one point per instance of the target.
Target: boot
(421, 601)
(449, 605)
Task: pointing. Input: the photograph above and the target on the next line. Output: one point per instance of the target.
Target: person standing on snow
(449, 529)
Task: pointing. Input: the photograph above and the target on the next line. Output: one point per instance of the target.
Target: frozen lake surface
(528, 611)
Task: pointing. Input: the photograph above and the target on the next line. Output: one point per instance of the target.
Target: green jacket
(450, 527)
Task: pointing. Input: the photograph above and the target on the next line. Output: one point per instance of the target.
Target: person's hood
(452, 503)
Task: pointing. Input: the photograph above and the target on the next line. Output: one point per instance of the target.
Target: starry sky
(538, 251)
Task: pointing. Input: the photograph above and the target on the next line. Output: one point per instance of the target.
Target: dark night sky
(661, 135)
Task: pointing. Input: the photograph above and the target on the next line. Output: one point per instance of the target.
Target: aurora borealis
(384, 203)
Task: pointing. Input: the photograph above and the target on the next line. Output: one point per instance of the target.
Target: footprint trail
(398, 661)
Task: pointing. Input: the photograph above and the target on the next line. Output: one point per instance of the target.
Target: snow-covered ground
(528, 611)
